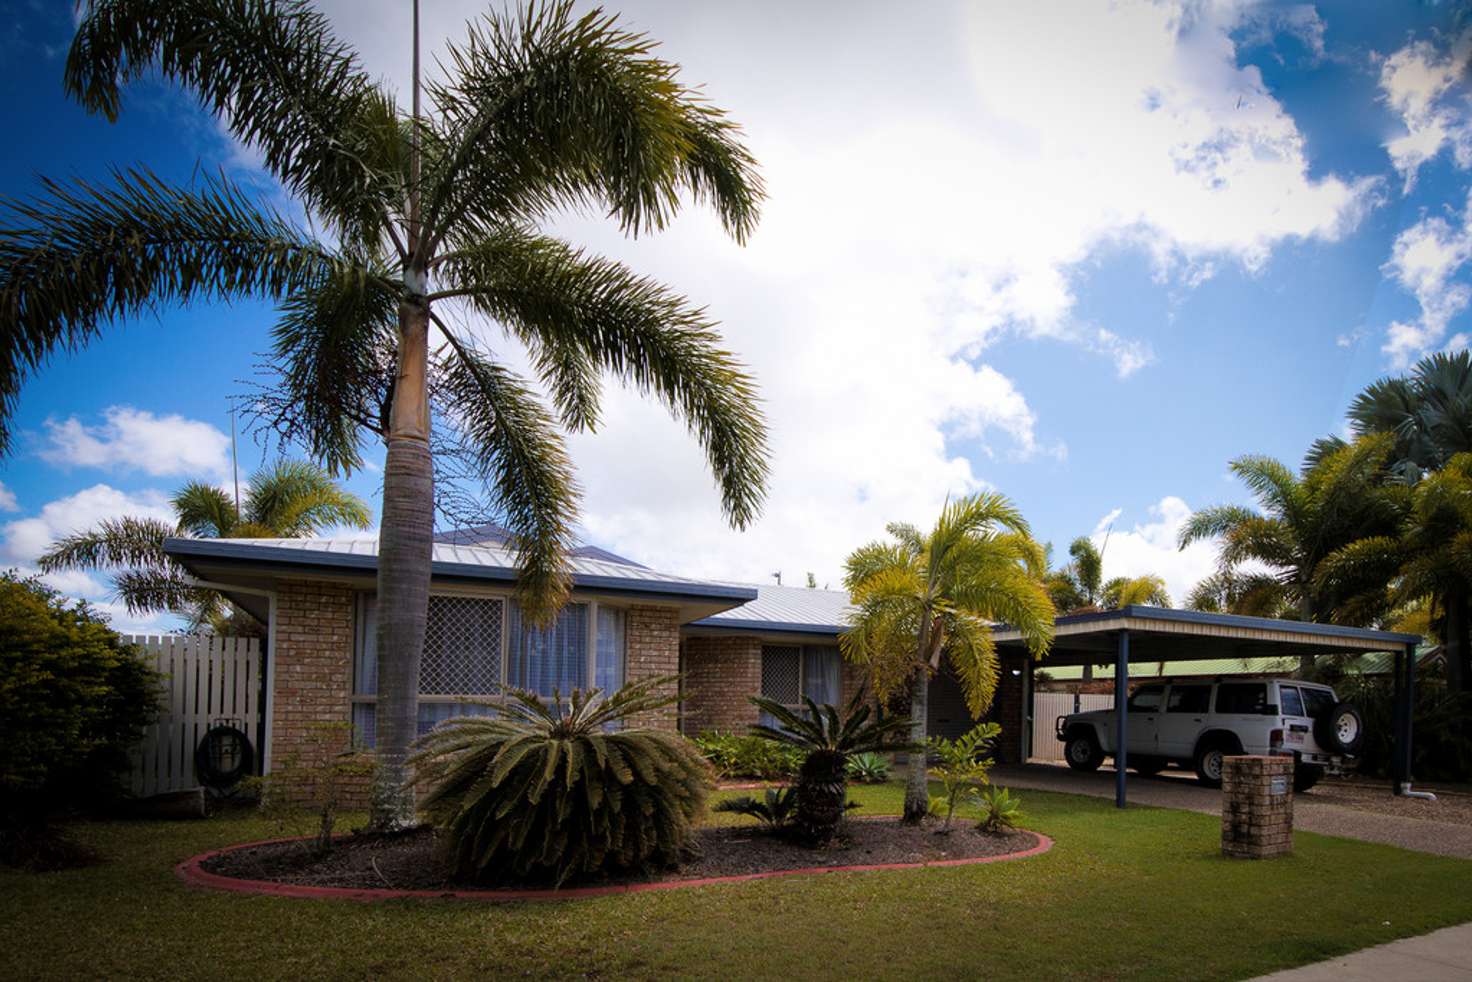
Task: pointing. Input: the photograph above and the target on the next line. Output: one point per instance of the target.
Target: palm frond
(295, 498)
(205, 510)
(112, 544)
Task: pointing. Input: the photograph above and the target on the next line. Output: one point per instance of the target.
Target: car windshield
(1317, 702)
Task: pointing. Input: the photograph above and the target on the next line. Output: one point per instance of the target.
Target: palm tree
(1237, 592)
(293, 499)
(1336, 499)
(1129, 591)
(924, 598)
(1078, 586)
(424, 213)
(1431, 556)
(1429, 412)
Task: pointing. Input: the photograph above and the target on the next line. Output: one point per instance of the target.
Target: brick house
(624, 621)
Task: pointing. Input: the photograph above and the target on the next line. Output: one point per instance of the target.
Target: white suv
(1198, 722)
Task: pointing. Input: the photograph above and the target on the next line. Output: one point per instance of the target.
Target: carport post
(1397, 716)
(1121, 711)
(1406, 718)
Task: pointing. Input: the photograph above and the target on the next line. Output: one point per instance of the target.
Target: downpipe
(1406, 792)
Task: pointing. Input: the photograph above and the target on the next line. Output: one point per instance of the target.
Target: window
(1146, 699)
(1291, 703)
(1318, 702)
(1242, 698)
(1189, 699)
(790, 672)
(476, 646)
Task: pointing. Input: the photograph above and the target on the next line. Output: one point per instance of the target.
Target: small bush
(868, 768)
(547, 792)
(73, 701)
(303, 793)
(962, 766)
(776, 810)
(1000, 810)
(735, 755)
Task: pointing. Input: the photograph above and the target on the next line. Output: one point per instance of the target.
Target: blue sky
(1083, 260)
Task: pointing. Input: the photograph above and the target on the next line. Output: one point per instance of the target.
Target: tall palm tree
(1429, 412)
(1429, 556)
(1128, 591)
(920, 599)
(425, 213)
(1336, 499)
(293, 499)
(1239, 592)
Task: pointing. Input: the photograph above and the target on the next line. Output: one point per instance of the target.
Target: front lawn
(1138, 894)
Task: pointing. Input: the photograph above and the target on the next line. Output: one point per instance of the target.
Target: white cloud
(136, 439)
(25, 539)
(936, 180)
(1420, 82)
(1423, 261)
(1150, 548)
(7, 499)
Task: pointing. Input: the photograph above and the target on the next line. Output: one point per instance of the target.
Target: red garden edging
(192, 872)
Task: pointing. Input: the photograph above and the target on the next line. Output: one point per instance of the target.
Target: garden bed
(410, 864)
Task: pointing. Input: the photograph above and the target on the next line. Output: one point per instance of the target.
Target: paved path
(1180, 791)
(1441, 956)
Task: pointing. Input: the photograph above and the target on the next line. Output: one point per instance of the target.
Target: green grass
(1139, 894)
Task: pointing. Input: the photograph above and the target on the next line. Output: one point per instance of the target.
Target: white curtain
(820, 674)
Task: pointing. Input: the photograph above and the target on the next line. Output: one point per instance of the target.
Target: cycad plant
(430, 218)
(775, 809)
(292, 499)
(927, 598)
(828, 739)
(547, 791)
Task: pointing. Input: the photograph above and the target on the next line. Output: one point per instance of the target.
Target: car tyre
(1210, 760)
(1306, 776)
(1083, 752)
(1341, 730)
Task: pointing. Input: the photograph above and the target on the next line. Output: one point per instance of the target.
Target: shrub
(310, 782)
(827, 742)
(962, 766)
(738, 755)
(73, 701)
(999, 809)
(868, 768)
(1442, 748)
(775, 810)
(544, 792)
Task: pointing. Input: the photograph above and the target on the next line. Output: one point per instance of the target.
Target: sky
(1081, 254)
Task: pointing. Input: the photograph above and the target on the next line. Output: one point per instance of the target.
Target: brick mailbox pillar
(1257, 807)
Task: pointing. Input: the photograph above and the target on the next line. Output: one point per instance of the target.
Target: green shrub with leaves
(1000, 809)
(827, 741)
(548, 791)
(962, 766)
(304, 791)
(868, 768)
(73, 701)
(776, 809)
(737, 755)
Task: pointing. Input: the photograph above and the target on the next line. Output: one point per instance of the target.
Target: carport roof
(1165, 634)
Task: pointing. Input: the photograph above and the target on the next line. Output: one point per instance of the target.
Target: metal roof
(494, 535)
(787, 610)
(450, 560)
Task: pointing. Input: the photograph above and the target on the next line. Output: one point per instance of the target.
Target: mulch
(414, 860)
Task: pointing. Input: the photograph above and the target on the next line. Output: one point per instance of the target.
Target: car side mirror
(1270, 710)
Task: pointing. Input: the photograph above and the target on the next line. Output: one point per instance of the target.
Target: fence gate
(207, 679)
(1047, 707)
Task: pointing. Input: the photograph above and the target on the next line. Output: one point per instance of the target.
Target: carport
(1140, 635)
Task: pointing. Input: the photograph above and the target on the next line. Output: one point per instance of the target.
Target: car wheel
(1083, 752)
(1306, 776)
(1148, 766)
(1211, 761)
(1341, 730)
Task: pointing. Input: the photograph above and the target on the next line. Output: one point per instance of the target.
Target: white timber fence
(1048, 706)
(209, 680)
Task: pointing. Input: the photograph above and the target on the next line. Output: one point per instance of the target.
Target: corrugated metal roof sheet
(786, 608)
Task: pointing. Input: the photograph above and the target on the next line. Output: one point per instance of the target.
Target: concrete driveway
(1179, 790)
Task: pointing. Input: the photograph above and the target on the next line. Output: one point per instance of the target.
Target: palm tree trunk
(1458, 650)
(917, 791)
(405, 550)
(1306, 614)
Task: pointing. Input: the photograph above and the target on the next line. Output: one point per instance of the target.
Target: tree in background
(1079, 587)
(1430, 556)
(1337, 498)
(291, 500)
(921, 599)
(431, 217)
(1238, 592)
(1129, 591)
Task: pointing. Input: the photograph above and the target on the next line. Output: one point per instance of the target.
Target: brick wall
(652, 646)
(720, 674)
